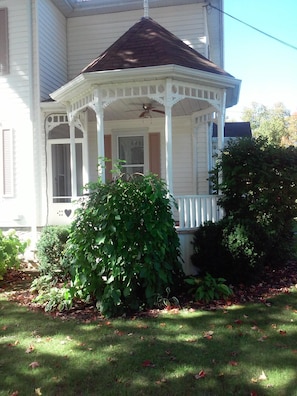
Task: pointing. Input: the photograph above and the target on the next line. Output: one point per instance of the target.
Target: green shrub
(50, 248)
(123, 248)
(208, 288)
(10, 249)
(259, 197)
(233, 250)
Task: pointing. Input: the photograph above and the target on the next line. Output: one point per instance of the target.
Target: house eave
(85, 81)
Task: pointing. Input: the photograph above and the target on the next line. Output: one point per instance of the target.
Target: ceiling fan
(147, 109)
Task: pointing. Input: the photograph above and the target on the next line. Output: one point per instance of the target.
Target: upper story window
(4, 55)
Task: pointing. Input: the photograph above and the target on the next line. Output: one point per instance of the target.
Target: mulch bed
(16, 285)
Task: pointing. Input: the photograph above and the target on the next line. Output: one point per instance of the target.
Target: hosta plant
(208, 288)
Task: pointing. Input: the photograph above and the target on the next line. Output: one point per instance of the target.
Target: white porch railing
(194, 210)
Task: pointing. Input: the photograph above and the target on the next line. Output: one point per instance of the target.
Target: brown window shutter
(155, 153)
(108, 155)
(4, 56)
(7, 155)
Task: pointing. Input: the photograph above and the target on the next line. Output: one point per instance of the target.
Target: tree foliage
(275, 123)
(123, 248)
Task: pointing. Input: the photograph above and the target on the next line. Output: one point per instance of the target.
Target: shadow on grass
(191, 353)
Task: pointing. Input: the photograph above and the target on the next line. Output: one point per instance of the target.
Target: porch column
(100, 134)
(221, 122)
(221, 126)
(73, 159)
(168, 135)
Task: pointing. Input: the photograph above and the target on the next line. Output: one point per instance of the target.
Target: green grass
(153, 356)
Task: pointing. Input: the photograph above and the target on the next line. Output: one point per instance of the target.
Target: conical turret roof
(148, 44)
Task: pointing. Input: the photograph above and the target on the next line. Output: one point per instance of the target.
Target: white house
(81, 80)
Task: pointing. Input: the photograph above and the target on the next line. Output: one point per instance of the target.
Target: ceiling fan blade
(141, 115)
(158, 111)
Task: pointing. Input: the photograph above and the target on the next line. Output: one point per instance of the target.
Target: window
(4, 56)
(6, 150)
(60, 166)
(131, 150)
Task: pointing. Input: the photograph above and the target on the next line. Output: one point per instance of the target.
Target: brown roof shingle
(149, 44)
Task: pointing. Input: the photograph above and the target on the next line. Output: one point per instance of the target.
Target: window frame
(143, 132)
(7, 162)
(4, 42)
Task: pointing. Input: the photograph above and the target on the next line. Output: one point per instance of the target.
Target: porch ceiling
(127, 109)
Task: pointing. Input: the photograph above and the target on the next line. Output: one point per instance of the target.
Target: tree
(270, 123)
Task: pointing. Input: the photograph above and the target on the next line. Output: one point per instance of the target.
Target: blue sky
(267, 68)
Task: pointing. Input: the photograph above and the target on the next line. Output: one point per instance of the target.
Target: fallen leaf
(253, 393)
(238, 321)
(34, 365)
(142, 326)
(119, 333)
(200, 375)
(191, 340)
(262, 377)
(161, 381)
(208, 334)
(15, 393)
(38, 391)
(30, 349)
(262, 339)
(233, 363)
(282, 332)
(147, 363)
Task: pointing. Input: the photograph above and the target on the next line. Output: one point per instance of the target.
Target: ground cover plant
(11, 247)
(237, 349)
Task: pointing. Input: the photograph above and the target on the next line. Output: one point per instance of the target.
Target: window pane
(4, 56)
(131, 151)
(79, 168)
(61, 172)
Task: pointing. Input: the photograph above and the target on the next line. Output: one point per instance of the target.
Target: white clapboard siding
(52, 48)
(89, 36)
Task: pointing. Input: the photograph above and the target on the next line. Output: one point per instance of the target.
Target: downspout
(32, 123)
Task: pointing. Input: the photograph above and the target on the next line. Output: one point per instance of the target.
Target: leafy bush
(259, 196)
(235, 250)
(10, 249)
(50, 248)
(123, 248)
(208, 288)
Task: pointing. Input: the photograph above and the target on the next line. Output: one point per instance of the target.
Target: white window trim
(8, 163)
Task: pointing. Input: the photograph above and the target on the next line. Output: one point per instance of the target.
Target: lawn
(248, 349)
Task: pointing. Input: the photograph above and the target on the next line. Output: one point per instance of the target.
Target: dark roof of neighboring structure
(147, 43)
(234, 129)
